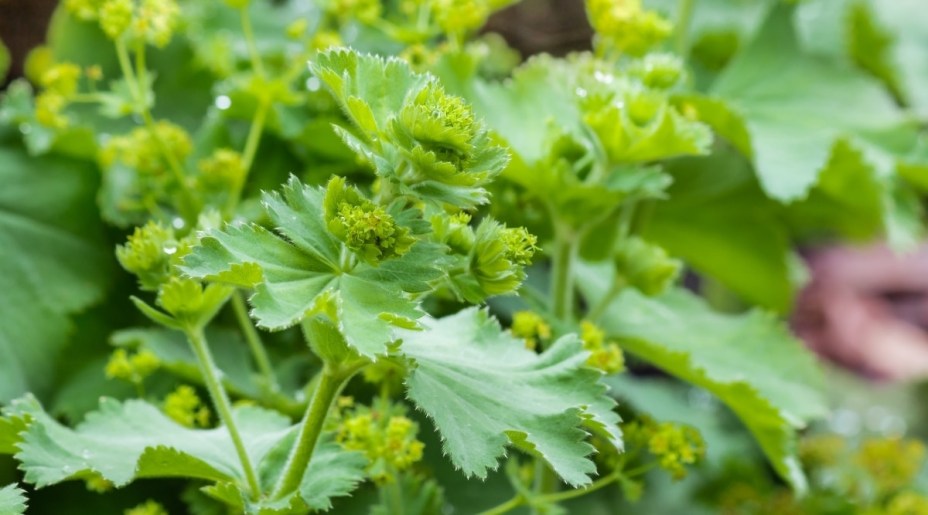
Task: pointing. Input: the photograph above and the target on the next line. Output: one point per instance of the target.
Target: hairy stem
(330, 383)
(222, 405)
(254, 340)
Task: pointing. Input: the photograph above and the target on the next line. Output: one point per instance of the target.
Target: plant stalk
(222, 405)
(254, 341)
(562, 284)
(682, 25)
(330, 383)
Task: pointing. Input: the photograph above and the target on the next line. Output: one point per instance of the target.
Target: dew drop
(170, 250)
(605, 78)
(222, 102)
(313, 83)
(581, 92)
(86, 454)
(66, 469)
(178, 222)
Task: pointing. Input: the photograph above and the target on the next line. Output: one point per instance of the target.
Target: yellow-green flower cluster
(906, 503)
(531, 327)
(626, 26)
(499, 255)
(605, 356)
(98, 484)
(185, 407)
(442, 123)
(59, 82)
(385, 435)
(461, 16)
(822, 450)
(364, 11)
(892, 462)
(645, 266)
(148, 507)
(222, 169)
(364, 227)
(675, 446)
(133, 368)
(658, 71)
(141, 148)
(152, 21)
(149, 254)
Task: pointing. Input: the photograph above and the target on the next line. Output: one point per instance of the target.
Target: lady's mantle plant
(326, 254)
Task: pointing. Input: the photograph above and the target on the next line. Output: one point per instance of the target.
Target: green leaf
(749, 361)
(122, 442)
(12, 500)
(301, 272)
(372, 90)
(483, 388)
(125, 441)
(717, 219)
(424, 141)
(52, 263)
(795, 115)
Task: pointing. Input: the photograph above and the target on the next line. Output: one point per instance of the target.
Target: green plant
(363, 225)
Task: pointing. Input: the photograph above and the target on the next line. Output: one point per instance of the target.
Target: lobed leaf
(483, 389)
(12, 500)
(301, 268)
(749, 361)
(802, 93)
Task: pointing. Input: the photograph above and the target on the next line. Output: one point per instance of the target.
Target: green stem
(222, 405)
(254, 341)
(248, 153)
(136, 83)
(250, 42)
(684, 15)
(330, 383)
(505, 507)
(579, 492)
(562, 287)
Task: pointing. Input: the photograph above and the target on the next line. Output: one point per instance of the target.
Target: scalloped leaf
(372, 91)
(802, 93)
(484, 389)
(12, 500)
(134, 439)
(749, 361)
(300, 267)
(122, 442)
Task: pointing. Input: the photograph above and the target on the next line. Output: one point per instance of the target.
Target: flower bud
(148, 253)
(185, 407)
(116, 17)
(646, 267)
(364, 227)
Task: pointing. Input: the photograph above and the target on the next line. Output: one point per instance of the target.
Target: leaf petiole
(331, 381)
(222, 405)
